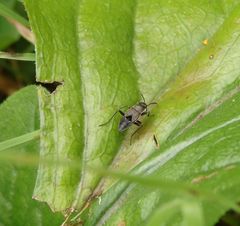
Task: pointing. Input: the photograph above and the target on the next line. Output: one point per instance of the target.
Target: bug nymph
(131, 116)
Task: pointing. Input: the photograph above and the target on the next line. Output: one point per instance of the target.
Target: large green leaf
(206, 155)
(168, 34)
(200, 83)
(102, 54)
(61, 112)
(19, 115)
(66, 102)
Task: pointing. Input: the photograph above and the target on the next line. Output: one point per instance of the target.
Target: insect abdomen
(124, 124)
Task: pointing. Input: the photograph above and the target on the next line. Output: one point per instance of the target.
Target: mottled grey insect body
(124, 124)
(132, 115)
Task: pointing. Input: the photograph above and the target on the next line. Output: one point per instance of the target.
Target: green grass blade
(9, 13)
(18, 56)
(19, 140)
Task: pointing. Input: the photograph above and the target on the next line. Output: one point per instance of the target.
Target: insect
(131, 116)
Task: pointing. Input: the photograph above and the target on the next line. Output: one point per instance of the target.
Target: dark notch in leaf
(50, 86)
(231, 217)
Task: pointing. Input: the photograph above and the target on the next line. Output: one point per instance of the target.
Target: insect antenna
(143, 98)
(152, 103)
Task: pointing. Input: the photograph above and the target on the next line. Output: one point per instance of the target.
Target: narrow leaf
(10, 14)
(18, 140)
(18, 56)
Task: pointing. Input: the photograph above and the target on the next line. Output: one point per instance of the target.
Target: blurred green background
(14, 74)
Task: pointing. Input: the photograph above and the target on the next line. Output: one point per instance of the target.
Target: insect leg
(145, 112)
(138, 123)
(109, 119)
(122, 113)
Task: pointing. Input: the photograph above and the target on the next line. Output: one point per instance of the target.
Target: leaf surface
(205, 156)
(61, 112)
(16, 181)
(183, 56)
(203, 81)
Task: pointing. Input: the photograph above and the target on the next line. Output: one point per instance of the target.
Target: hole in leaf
(50, 86)
(230, 218)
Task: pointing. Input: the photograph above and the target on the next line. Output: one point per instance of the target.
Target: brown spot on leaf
(229, 167)
(202, 178)
(121, 223)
